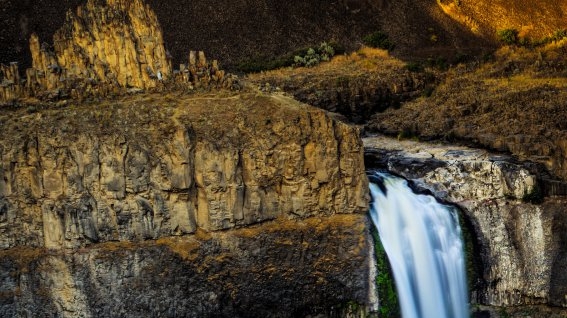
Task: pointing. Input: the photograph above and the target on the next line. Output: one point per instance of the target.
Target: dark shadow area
(20, 18)
(477, 255)
(558, 282)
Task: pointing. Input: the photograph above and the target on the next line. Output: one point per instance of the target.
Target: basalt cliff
(182, 207)
(195, 199)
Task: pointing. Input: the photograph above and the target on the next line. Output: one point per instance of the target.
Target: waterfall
(422, 239)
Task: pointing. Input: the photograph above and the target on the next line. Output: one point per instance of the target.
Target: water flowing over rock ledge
(523, 245)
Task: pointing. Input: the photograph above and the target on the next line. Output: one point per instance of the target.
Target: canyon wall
(520, 236)
(159, 190)
(170, 204)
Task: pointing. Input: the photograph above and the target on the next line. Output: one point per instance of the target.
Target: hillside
(510, 101)
(237, 31)
(240, 31)
(533, 19)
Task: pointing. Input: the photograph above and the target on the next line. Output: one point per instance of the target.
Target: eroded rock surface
(278, 269)
(145, 206)
(522, 245)
(148, 169)
(109, 47)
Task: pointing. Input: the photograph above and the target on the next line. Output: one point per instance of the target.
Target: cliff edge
(132, 190)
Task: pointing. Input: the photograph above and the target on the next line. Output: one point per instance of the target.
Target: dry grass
(355, 85)
(514, 102)
(186, 247)
(357, 63)
(351, 221)
(486, 17)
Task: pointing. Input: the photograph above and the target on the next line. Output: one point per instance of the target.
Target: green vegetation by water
(385, 284)
(473, 261)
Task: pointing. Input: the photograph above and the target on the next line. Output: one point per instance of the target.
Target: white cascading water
(422, 239)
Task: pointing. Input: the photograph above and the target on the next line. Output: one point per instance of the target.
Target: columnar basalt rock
(10, 82)
(278, 269)
(64, 188)
(211, 200)
(116, 41)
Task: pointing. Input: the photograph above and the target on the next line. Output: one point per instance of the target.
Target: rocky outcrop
(10, 83)
(279, 269)
(106, 48)
(521, 244)
(356, 85)
(119, 41)
(69, 182)
(150, 201)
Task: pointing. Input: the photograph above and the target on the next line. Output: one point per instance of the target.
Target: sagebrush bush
(258, 64)
(378, 40)
(508, 36)
(313, 57)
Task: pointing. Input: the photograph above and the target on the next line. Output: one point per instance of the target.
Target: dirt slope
(238, 30)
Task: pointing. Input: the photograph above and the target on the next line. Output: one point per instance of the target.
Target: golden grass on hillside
(364, 60)
(514, 102)
(533, 19)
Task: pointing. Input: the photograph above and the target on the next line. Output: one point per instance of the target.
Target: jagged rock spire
(113, 41)
(107, 46)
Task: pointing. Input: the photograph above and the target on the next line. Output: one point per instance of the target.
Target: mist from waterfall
(422, 239)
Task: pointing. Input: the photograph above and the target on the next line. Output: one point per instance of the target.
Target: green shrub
(266, 63)
(310, 59)
(389, 303)
(428, 91)
(559, 35)
(508, 36)
(378, 40)
(415, 67)
(556, 36)
(408, 133)
(313, 57)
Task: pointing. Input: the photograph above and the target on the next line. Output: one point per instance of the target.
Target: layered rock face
(91, 178)
(522, 245)
(139, 173)
(280, 269)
